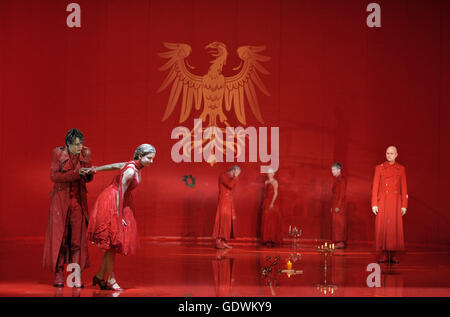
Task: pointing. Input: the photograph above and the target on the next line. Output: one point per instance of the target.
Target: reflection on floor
(199, 270)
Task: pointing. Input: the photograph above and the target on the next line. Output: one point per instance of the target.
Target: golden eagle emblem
(213, 90)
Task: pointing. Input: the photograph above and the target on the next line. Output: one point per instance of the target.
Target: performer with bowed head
(225, 214)
(112, 226)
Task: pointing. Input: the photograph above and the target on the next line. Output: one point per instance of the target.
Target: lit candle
(332, 246)
(289, 265)
(290, 229)
(325, 244)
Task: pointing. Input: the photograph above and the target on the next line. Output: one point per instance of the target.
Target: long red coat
(62, 173)
(338, 228)
(389, 193)
(224, 226)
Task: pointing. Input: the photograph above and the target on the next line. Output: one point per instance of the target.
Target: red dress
(389, 193)
(106, 228)
(271, 218)
(224, 224)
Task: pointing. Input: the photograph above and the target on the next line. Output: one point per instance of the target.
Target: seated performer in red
(225, 216)
(112, 226)
(338, 227)
(271, 218)
(389, 203)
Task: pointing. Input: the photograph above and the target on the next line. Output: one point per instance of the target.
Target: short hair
(338, 165)
(234, 167)
(72, 134)
(142, 150)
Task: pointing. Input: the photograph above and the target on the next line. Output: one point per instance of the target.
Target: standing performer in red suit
(389, 203)
(112, 226)
(225, 215)
(338, 227)
(271, 218)
(65, 238)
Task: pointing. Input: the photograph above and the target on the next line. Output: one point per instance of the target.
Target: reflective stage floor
(169, 269)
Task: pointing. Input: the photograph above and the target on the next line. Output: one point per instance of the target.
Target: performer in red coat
(338, 227)
(65, 237)
(225, 215)
(271, 219)
(389, 203)
(112, 226)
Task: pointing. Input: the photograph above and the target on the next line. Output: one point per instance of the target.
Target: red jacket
(62, 173)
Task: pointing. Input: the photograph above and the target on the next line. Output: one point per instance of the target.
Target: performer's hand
(234, 217)
(403, 211)
(271, 206)
(375, 210)
(124, 222)
(336, 209)
(83, 171)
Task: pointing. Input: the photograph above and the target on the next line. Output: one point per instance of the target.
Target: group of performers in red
(112, 227)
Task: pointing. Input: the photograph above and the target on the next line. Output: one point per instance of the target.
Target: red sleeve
(375, 186)
(87, 155)
(57, 176)
(404, 190)
(227, 181)
(341, 194)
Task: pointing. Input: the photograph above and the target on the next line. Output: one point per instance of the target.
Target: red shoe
(220, 244)
(226, 245)
(383, 259)
(59, 279)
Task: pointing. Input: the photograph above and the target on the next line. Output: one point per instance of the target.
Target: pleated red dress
(106, 228)
(271, 218)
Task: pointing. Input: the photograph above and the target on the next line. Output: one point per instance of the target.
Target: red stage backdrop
(339, 91)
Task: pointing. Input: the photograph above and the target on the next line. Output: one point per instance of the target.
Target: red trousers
(71, 242)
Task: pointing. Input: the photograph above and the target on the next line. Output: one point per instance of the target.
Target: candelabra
(295, 234)
(325, 288)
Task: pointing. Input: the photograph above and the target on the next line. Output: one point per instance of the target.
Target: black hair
(338, 165)
(71, 136)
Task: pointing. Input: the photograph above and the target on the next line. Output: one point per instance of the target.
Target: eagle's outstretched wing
(181, 79)
(245, 81)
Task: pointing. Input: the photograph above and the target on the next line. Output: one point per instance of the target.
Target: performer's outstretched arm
(108, 167)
